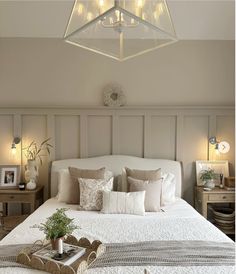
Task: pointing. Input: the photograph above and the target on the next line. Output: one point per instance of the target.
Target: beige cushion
(68, 183)
(66, 187)
(151, 175)
(91, 192)
(123, 203)
(153, 192)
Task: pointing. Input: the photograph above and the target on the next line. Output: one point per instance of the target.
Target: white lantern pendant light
(120, 29)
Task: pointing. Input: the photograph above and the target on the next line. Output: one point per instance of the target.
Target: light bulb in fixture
(80, 9)
(15, 142)
(140, 3)
(101, 3)
(13, 149)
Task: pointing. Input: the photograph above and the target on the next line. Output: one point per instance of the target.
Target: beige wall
(51, 72)
(47, 72)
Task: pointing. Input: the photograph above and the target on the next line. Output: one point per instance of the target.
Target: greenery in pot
(35, 152)
(57, 225)
(208, 174)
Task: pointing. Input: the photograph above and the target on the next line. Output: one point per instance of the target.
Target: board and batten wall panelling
(163, 137)
(225, 130)
(99, 134)
(195, 147)
(131, 135)
(34, 128)
(67, 136)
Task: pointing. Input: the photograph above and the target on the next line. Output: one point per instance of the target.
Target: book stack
(70, 254)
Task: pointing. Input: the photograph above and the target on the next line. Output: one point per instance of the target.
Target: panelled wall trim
(143, 131)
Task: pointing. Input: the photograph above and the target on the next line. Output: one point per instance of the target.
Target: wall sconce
(222, 147)
(15, 142)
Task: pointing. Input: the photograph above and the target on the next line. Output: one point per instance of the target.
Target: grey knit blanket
(154, 253)
(167, 253)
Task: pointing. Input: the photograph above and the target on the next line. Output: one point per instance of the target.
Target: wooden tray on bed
(93, 250)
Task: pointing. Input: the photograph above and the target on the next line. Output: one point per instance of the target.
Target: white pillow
(66, 185)
(123, 203)
(91, 192)
(168, 189)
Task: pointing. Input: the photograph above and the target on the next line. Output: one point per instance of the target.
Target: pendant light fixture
(120, 29)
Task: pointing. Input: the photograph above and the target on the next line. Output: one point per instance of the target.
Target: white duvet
(179, 221)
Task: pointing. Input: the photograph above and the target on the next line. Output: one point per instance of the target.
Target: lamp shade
(120, 29)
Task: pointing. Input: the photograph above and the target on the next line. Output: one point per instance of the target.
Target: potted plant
(57, 226)
(34, 152)
(208, 176)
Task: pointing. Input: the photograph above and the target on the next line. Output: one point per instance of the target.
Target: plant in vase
(208, 176)
(33, 154)
(57, 226)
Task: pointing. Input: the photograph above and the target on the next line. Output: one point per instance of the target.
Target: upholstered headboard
(115, 163)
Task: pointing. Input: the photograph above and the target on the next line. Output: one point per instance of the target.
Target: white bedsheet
(179, 221)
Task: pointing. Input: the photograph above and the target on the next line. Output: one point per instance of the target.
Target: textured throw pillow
(150, 175)
(153, 192)
(168, 189)
(91, 192)
(76, 173)
(123, 203)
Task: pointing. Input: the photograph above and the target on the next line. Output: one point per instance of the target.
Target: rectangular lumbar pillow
(123, 203)
(91, 192)
(139, 174)
(153, 192)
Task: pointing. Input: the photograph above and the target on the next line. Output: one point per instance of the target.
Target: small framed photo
(9, 176)
(220, 167)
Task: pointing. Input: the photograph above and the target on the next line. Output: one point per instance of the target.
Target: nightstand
(15, 195)
(216, 195)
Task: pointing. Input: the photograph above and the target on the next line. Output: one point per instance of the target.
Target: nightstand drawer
(13, 197)
(222, 197)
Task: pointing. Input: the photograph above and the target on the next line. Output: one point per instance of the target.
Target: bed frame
(115, 163)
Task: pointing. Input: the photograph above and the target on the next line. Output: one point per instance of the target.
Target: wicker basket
(224, 217)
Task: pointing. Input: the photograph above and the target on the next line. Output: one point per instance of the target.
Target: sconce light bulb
(13, 149)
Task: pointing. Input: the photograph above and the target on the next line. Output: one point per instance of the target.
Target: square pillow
(76, 173)
(91, 192)
(123, 203)
(68, 191)
(153, 192)
(139, 174)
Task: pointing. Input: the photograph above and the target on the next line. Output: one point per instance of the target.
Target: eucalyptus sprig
(34, 151)
(57, 225)
(208, 174)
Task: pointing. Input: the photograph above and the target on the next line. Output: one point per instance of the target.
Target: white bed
(179, 221)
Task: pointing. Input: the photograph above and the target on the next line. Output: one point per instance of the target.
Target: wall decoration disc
(113, 95)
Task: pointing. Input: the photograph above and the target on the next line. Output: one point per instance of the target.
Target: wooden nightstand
(21, 196)
(216, 195)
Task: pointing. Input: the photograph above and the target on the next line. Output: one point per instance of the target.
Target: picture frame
(220, 167)
(9, 176)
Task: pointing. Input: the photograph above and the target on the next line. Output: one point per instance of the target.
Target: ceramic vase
(31, 185)
(209, 184)
(31, 171)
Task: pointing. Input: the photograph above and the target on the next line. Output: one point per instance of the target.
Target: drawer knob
(11, 197)
(224, 197)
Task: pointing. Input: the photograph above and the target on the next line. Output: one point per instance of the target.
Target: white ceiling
(193, 19)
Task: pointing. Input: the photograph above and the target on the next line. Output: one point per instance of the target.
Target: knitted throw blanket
(154, 253)
(167, 253)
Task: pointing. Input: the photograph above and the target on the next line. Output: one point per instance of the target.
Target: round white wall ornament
(223, 147)
(113, 95)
